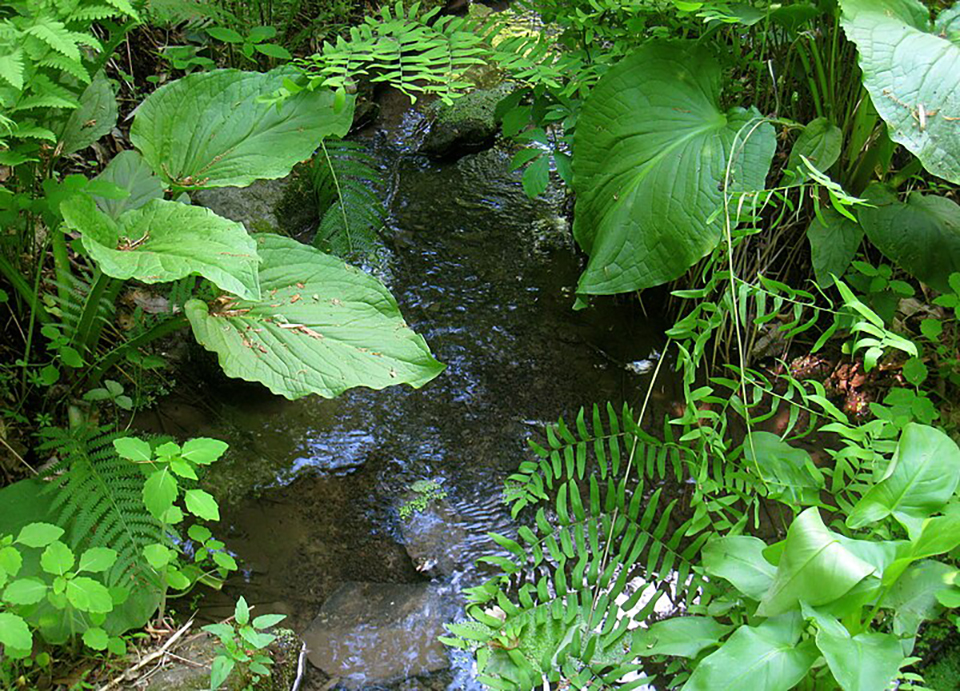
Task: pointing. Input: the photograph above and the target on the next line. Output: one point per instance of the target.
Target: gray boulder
(466, 126)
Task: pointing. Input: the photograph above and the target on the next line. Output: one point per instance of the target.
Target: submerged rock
(467, 125)
(377, 633)
(433, 535)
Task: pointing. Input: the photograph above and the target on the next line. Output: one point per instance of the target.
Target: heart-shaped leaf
(650, 166)
(920, 480)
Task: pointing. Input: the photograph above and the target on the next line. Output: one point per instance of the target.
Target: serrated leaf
(157, 555)
(11, 68)
(96, 638)
(14, 632)
(97, 559)
(133, 449)
(57, 558)
(202, 504)
(165, 241)
(323, 327)
(650, 158)
(159, 492)
(208, 129)
(25, 591)
(88, 595)
(39, 534)
(204, 451)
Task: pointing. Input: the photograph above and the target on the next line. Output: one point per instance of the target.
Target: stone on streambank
(465, 126)
(380, 633)
(194, 674)
(266, 206)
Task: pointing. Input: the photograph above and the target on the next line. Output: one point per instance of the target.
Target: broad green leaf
(165, 241)
(739, 560)
(57, 558)
(129, 171)
(160, 491)
(680, 636)
(921, 478)
(815, 567)
(10, 562)
(88, 595)
(913, 598)
(764, 657)
(651, 156)
(14, 632)
(821, 143)
(913, 76)
(95, 117)
(25, 591)
(906, 232)
(224, 34)
(323, 327)
(265, 621)
(97, 559)
(202, 504)
(220, 670)
(96, 638)
(203, 451)
(208, 129)
(39, 534)
(834, 241)
(157, 555)
(788, 471)
(133, 449)
(865, 662)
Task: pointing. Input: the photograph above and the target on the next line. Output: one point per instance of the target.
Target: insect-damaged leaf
(321, 327)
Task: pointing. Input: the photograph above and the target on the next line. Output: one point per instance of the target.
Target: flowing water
(311, 488)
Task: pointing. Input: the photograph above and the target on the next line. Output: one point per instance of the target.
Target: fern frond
(602, 553)
(347, 186)
(65, 64)
(99, 496)
(56, 36)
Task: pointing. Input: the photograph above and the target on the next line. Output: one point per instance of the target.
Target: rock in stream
(375, 633)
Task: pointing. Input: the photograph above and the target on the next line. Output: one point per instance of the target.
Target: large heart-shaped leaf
(921, 478)
(739, 560)
(913, 76)
(815, 567)
(129, 171)
(209, 129)
(650, 166)
(322, 327)
(165, 241)
(865, 662)
(905, 233)
(757, 657)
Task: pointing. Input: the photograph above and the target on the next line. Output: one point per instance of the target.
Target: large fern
(98, 497)
(600, 556)
(348, 188)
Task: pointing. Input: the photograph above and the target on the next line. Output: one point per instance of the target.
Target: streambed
(312, 488)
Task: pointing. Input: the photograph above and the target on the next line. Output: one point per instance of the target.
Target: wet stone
(434, 537)
(369, 634)
(467, 125)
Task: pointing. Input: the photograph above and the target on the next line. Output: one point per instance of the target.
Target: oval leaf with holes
(209, 129)
(165, 241)
(650, 164)
(322, 327)
(913, 76)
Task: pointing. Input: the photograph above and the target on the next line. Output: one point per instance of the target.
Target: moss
(424, 492)
(944, 674)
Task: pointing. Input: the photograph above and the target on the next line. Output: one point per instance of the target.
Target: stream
(311, 489)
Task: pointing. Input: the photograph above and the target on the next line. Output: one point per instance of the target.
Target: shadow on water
(487, 276)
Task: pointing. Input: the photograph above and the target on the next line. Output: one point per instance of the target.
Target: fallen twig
(128, 674)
